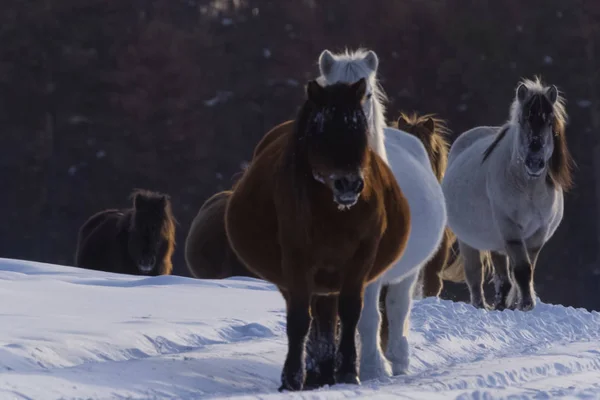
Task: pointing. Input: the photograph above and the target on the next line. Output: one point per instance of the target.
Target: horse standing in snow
(318, 213)
(504, 192)
(208, 254)
(136, 241)
(432, 132)
(408, 160)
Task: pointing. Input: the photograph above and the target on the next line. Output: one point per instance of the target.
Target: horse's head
(423, 128)
(146, 230)
(431, 132)
(536, 118)
(349, 67)
(336, 135)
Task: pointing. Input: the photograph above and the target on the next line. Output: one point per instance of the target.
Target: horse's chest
(530, 214)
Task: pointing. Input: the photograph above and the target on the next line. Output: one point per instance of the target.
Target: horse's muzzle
(347, 189)
(535, 165)
(147, 265)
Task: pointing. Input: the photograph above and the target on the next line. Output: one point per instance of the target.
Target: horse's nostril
(541, 164)
(340, 184)
(359, 185)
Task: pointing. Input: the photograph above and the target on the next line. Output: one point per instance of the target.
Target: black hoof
(527, 305)
(349, 378)
(315, 380)
(482, 305)
(500, 305)
(290, 384)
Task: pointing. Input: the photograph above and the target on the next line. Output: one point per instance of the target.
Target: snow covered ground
(68, 333)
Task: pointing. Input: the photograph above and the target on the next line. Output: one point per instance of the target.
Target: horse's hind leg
(502, 282)
(298, 325)
(373, 364)
(473, 274)
(320, 348)
(432, 282)
(398, 303)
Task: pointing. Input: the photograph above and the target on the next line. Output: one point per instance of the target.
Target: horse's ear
(521, 92)
(326, 61)
(372, 60)
(429, 124)
(360, 88)
(552, 94)
(314, 92)
(402, 123)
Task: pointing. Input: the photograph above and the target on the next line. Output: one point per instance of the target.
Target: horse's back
(483, 135)
(272, 136)
(208, 254)
(96, 239)
(412, 169)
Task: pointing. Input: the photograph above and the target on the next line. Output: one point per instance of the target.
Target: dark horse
(135, 241)
(320, 215)
(208, 254)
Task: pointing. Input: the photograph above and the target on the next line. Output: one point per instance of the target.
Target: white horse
(504, 193)
(408, 159)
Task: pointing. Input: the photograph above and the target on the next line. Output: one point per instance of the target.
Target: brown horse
(320, 215)
(136, 241)
(208, 254)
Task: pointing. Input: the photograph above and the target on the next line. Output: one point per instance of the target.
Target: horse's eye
(369, 96)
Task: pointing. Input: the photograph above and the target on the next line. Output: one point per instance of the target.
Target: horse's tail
(455, 272)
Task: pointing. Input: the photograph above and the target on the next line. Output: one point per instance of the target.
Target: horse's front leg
(502, 282)
(522, 272)
(398, 304)
(373, 363)
(297, 298)
(350, 307)
(321, 345)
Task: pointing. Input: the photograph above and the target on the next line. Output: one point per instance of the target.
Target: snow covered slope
(67, 333)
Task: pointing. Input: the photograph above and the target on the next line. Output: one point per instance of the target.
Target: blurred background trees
(101, 96)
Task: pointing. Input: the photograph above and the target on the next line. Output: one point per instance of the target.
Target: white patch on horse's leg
(373, 364)
(398, 303)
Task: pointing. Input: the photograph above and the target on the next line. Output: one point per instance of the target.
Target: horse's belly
(427, 211)
(252, 231)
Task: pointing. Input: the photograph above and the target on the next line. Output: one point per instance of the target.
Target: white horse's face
(536, 129)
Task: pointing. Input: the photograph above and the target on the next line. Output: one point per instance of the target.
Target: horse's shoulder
(272, 136)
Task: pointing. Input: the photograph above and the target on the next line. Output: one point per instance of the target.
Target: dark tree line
(99, 97)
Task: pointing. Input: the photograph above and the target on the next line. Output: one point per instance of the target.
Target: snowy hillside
(68, 333)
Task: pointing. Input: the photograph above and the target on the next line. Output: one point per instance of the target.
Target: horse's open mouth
(145, 268)
(346, 201)
(534, 174)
